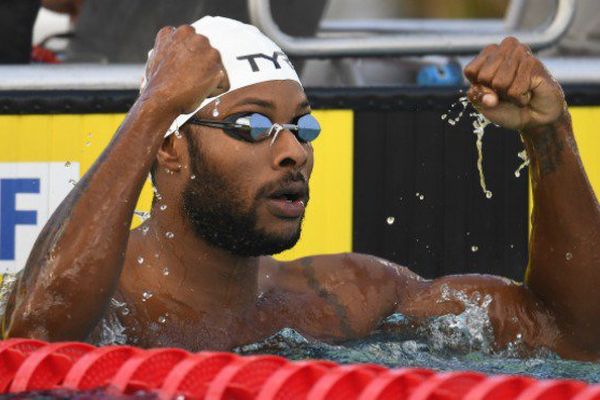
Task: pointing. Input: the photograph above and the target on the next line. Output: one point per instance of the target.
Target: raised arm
(75, 264)
(513, 89)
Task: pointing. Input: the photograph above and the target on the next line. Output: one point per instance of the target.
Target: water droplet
(163, 207)
(444, 116)
(417, 194)
(512, 246)
(517, 174)
(452, 122)
(68, 164)
(488, 194)
(125, 311)
(146, 296)
(87, 144)
(165, 271)
(72, 181)
(162, 319)
(117, 303)
(178, 134)
(140, 260)
(170, 235)
(474, 249)
(145, 230)
(568, 256)
(390, 220)
(193, 177)
(215, 111)
(421, 197)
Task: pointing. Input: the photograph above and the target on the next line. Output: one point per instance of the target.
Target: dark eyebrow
(256, 102)
(266, 103)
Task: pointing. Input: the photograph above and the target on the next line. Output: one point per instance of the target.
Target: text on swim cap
(251, 58)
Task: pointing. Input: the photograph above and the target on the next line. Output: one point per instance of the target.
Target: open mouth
(289, 201)
(290, 194)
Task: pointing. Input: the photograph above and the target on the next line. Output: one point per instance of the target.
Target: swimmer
(231, 191)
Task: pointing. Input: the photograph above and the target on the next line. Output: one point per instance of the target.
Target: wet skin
(213, 299)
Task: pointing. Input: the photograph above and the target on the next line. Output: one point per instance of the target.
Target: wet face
(249, 198)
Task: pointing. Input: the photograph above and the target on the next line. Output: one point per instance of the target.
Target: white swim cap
(248, 56)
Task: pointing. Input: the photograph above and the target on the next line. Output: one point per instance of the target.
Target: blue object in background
(10, 217)
(440, 75)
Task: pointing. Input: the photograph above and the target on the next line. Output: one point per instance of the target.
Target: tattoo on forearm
(340, 310)
(548, 147)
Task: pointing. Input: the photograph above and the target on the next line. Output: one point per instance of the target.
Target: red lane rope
(29, 365)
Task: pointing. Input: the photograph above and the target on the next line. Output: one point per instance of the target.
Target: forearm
(75, 264)
(564, 255)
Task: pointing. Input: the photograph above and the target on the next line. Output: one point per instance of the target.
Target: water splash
(6, 286)
(111, 330)
(470, 330)
(523, 156)
(479, 125)
(143, 215)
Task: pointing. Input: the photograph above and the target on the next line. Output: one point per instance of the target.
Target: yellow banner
(42, 155)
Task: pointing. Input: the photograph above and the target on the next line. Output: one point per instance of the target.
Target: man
(231, 189)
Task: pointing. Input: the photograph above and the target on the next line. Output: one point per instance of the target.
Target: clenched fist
(183, 70)
(512, 88)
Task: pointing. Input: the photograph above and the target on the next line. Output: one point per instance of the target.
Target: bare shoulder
(348, 265)
(355, 290)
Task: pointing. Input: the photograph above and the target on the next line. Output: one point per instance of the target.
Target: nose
(288, 151)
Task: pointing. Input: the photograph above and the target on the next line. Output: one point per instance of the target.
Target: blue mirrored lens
(308, 128)
(259, 126)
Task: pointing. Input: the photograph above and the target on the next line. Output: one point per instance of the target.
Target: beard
(217, 213)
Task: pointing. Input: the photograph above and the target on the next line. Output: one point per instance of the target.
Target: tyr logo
(275, 60)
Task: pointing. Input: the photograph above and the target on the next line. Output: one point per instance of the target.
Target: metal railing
(128, 77)
(414, 43)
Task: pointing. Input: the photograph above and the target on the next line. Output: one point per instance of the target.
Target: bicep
(511, 307)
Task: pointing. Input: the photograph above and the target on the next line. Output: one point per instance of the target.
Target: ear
(170, 155)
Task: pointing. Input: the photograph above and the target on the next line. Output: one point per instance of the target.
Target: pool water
(448, 342)
(397, 350)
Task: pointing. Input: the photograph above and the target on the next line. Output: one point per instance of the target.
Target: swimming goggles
(256, 127)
